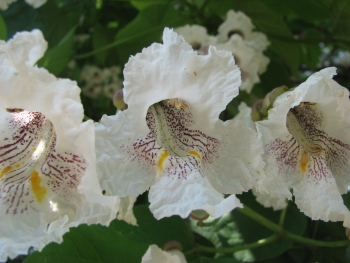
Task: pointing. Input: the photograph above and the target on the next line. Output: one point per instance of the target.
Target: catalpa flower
(170, 138)
(48, 179)
(307, 147)
(238, 23)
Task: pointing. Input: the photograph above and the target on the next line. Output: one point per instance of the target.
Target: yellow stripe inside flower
(195, 153)
(5, 171)
(38, 190)
(162, 157)
(304, 161)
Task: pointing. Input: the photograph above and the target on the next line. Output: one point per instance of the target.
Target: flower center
(168, 121)
(22, 155)
(303, 123)
(235, 32)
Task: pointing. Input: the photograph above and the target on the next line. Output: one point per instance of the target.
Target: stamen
(179, 104)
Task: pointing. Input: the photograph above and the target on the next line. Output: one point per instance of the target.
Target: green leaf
(22, 17)
(57, 58)
(340, 15)
(147, 28)
(58, 21)
(142, 4)
(101, 36)
(3, 30)
(120, 242)
(236, 229)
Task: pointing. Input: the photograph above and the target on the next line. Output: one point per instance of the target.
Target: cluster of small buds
(236, 35)
(100, 82)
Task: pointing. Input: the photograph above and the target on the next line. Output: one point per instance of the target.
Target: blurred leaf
(3, 30)
(147, 28)
(58, 22)
(236, 229)
(120, 242)
(22, 17)
(101, 36)
(57, 58)
(309, 10)
(340, 14)
(142, 4)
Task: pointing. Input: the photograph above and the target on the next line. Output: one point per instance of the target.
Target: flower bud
(271, 97)
(347, 232)
(199, 215)
(172, 245)
(118, 100)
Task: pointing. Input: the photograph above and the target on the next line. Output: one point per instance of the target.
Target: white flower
(48, 179)
(197, 37)
(250, 61)
(170, 137)
(35, 3)
(155, 255)
(237, 23)
(343, 59)
(92, 75)
(307, 147)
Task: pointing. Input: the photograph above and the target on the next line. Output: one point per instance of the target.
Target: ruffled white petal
(155, 255)
(181, 195)
(207, 83)
(36, 3)
(125, 210)
(122, 170)
(277, 203)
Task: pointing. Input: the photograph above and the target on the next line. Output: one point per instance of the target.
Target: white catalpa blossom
(251, 62)
(170, 138)
(307, 147)
(155, 255)
(197, 37)
(4, 4)
(48, 179)
(237, 23)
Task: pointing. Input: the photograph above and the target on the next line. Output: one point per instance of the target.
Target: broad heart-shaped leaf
(119, 243)
(3, 30)
(236, 229)
(340, 16)
(147, 28)
(57, 58)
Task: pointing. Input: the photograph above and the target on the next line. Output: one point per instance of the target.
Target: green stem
(86, 118)
(283, 216)
(259, 243)
(124, 40)
(288, 235)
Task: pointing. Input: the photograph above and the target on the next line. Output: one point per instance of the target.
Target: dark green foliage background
(299, 32)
